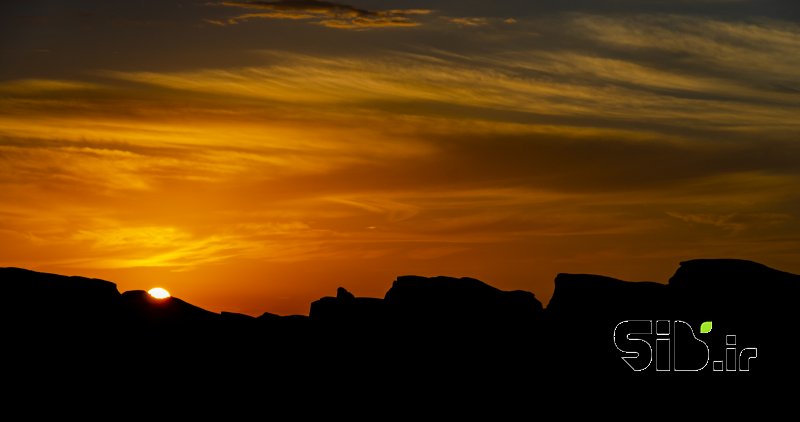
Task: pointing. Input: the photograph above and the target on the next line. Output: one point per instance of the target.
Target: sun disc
(158, 293)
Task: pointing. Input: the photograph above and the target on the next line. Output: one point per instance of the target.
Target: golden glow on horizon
(264, 179)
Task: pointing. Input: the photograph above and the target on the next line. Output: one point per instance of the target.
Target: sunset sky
(253, 156)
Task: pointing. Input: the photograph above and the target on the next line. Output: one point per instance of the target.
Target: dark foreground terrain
(437, 334)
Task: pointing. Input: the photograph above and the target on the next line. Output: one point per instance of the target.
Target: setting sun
(158, 293)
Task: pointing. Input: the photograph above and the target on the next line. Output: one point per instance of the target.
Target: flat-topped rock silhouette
(578, 295)
(20, 284)
(460, 299)
(53, 302)
(706, 274)
(420, 305)
(345, 308)
(732, 284)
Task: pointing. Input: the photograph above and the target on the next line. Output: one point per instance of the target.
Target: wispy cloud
(757, 53)
(43, 86)
(331, 15)
(726, 222)
(576, 86)
(736, 222)
(466, 21)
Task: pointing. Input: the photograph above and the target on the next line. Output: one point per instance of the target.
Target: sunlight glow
(158, 293)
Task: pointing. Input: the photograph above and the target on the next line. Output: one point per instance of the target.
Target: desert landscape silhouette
(441, 330)
(496, 199)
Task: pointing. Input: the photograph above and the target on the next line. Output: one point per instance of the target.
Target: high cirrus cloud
(332, 15)
(469, 21)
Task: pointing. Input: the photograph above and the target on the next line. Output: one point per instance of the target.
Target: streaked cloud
(727, 50)
(328, 14)
(576, 86)
(42, 86)
(469, 21)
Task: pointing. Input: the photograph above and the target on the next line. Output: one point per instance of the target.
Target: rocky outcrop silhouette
(34, 302)
(346, 309)
(578, 295)
(585, 309)
(460, 301)
(442, 329)
(138, 308)
(733, 286)
(430, 304)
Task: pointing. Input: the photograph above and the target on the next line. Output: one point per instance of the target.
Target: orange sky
(253, 157)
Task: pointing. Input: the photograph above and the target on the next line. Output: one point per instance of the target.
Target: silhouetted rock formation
(576, 296)
(585, 309)
(732, 285)
(268, 316)
(352, 313)
(233, 317)
(756, 303)
(450, 330)
(138, 307)
(435, 310)
(343, 294)
(38, 302)
(460, 301)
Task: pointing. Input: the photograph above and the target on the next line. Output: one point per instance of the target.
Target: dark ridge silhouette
(269, 317)
(732, 285)
(590, 307)
(419, 303)
(438, 332)
(756, 303)
(579, 295)
(235, 317)
(40, 292)
(345, 308)
(138, 308)
(460, 301)
(42, 302)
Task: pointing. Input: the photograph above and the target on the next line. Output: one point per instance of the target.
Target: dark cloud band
(332, 15)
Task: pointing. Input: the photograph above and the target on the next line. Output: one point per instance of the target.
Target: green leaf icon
(705, 327)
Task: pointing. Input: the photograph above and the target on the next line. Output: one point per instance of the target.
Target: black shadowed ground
(434, 333)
